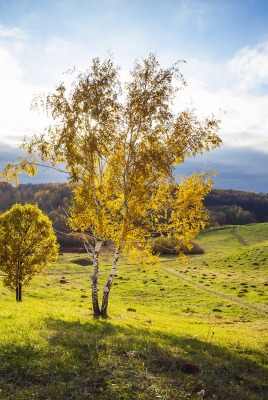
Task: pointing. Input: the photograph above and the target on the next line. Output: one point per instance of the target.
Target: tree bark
(94, 280)
(19, 292)
(19, 285)
(107, 288)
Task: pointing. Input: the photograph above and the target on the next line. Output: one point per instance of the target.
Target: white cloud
(12, 33)
(38, 66)
(57, 46)
(10, 89)
(9, 67)
(250, 66)
(15, 98)
(238, 87)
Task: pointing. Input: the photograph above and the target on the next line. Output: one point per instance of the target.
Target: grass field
(175, 331)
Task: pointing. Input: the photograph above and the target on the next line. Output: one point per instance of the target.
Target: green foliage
(237, 207)
(27, 245)
(229, 214)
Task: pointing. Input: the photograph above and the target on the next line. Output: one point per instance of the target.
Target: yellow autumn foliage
(120, 145)
(27, 244)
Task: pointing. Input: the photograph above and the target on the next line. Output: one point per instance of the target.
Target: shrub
(164, 245)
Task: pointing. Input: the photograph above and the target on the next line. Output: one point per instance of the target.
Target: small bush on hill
(164, 245)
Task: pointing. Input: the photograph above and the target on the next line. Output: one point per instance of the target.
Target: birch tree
(27, 245)
(120, 144)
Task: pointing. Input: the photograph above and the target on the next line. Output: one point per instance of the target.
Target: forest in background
(225, 206)
(236, 207)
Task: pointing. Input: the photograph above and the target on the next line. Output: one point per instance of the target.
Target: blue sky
(225, 44)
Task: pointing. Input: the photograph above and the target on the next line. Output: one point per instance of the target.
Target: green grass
(174, 332)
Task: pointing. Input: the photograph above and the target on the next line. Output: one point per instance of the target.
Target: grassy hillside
(175, 331)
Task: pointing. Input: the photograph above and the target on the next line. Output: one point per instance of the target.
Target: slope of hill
(175, 331)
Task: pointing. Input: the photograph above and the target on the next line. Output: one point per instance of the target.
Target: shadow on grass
(99, 360)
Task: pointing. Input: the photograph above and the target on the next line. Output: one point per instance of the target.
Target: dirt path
(222, 295)
(240, 239)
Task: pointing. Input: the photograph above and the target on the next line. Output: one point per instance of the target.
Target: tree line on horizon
(225, 206)
(235, 207)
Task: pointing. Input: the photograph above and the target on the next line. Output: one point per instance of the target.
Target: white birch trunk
(94, 280)
(107, 288)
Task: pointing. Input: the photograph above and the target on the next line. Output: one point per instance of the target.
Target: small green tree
(27, 245)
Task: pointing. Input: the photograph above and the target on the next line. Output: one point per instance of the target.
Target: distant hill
(236, 207)
(225, 206)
